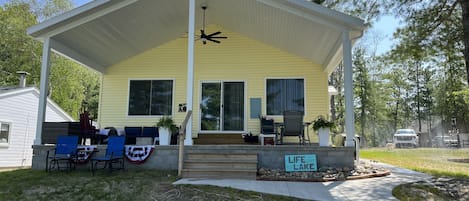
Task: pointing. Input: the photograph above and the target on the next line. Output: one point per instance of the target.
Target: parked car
(405, 138)
(444, 141)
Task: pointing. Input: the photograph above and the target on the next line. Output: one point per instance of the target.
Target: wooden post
(182, 136)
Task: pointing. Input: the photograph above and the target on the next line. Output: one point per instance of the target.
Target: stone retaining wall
(271, 157)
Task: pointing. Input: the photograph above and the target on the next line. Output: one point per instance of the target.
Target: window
(4, 132)
(150, 97)
(284, 95)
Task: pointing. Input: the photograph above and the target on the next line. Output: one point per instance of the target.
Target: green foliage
(323, 122)
(70, 83)
(167, 122)
(368, 10)
(17, 50)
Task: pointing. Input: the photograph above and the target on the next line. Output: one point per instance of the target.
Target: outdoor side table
(262, 138)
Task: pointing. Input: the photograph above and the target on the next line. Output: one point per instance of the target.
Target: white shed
(18, 119)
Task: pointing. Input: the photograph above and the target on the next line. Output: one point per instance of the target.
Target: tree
(18, 51)
(432, 19)
(70, 83)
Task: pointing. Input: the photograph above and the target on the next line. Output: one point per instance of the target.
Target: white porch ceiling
(105, 32)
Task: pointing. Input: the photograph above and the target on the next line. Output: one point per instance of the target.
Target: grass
(410, 192)
(433, 161)
(80, 185)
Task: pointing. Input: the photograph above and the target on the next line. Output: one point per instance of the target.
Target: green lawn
(433, 161)
(130, 185)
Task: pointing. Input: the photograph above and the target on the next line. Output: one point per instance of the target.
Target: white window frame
(285, 78)
(150, 79)
(10, 125)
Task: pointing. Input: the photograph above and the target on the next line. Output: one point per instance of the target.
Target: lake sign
(301, 163)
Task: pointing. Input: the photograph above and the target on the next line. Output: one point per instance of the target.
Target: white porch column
(190, 69)
(348, 89)
(44, 86)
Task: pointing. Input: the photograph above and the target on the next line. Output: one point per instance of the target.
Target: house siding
(21, 111)
(237, 58)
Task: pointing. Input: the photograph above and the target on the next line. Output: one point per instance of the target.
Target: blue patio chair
(114, 154)
(293, 125)
(65, 152)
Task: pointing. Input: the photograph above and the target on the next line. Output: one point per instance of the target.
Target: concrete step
(214, 164)
(222, 156)
(220, 165)
(219, 174)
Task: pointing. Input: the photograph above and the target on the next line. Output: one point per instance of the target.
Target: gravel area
(363, 170)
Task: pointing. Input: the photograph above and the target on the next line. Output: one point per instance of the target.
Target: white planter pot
(324, 137)
(165, 136)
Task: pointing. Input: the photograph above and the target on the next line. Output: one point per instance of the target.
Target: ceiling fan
(209, 37)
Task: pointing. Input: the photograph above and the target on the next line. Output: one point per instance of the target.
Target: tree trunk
(465, 21)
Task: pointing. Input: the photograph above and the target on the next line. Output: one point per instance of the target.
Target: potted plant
(323, 126)
(166, 127)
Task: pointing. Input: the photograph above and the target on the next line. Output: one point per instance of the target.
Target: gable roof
(105, 32)
(14, 91)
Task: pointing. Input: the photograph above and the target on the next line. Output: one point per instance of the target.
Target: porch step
(216, 139)
(220, 165)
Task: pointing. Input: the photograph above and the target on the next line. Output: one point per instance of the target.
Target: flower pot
(164, 135)
(323, 137)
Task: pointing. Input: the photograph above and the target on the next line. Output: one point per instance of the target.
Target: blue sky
(385, 27)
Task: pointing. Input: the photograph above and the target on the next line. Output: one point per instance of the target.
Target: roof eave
(41, 29)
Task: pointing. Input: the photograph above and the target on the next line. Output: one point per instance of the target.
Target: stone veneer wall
(271, 157)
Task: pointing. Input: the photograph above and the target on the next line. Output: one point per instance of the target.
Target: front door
(222, 106)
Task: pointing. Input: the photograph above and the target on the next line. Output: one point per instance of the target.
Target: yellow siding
(237, 58)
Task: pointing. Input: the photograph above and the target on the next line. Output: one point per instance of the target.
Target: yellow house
(155, 60)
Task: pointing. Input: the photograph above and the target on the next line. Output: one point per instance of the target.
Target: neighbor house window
(284, 95)
(4, 132)
(151, 97)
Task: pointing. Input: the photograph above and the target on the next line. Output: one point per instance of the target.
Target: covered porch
(103, 34)
(270, 43)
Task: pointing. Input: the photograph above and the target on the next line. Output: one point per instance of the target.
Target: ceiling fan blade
(213, 34)
(216, 41)
(222, 37)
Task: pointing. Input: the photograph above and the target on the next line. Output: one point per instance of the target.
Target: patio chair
(292, 125)
(65, 152)
(131, 134)
(151, 132)
(114, 155)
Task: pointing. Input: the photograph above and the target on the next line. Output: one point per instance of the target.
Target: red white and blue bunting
(84, 153)
(138, 154)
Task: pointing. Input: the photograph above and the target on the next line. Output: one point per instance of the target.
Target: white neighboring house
(18, 119)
